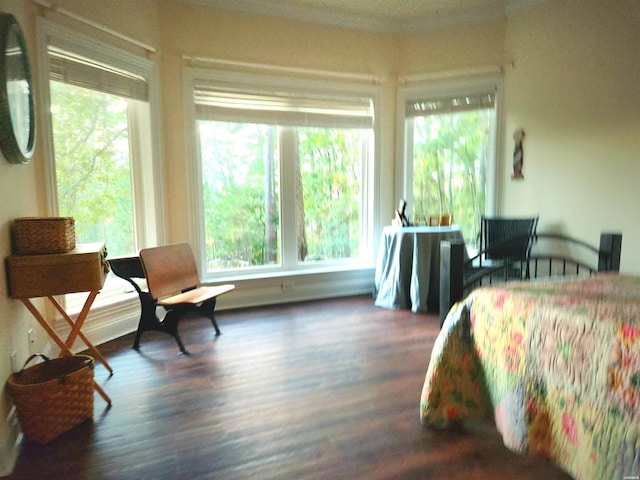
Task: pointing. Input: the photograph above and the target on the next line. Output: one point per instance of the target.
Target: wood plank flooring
(318, 390)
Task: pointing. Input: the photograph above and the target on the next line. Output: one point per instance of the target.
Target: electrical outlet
(14, 362)
(31, 340)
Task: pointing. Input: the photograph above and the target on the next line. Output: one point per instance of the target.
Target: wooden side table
(83, 269)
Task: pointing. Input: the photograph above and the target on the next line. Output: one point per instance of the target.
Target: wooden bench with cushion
(172, 283)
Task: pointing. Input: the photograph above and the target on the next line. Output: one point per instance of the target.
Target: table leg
(52, 333)
(65, 350)
(102, 393)
(77, 325)
(86, 341)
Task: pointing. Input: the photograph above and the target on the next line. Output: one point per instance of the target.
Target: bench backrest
(170, 269)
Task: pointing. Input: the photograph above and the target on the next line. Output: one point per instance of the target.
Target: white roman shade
(452, 104)
(75, 70)
(284, 107)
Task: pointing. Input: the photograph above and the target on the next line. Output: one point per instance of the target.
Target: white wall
(19, 195)
(573, 87)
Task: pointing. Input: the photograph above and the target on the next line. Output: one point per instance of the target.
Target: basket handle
(35, 355)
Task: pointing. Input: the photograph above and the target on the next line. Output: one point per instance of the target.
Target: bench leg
(149, 321)
(170, 325)
(208, 307)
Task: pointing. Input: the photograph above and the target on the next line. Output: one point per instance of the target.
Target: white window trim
(444, 87)
(370, 181)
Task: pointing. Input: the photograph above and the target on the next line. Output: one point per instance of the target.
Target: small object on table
(434, 220)
(401, 216)
(40, 235)
(446, 219)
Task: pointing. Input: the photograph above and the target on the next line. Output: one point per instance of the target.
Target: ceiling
(392, 16)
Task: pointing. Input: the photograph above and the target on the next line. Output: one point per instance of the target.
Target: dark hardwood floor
(318, 390)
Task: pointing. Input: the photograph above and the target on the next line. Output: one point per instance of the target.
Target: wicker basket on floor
(42, 235)
(53, 396)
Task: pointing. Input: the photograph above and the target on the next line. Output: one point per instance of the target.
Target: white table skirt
(408, 267)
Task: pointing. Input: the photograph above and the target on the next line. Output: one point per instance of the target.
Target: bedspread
(555, 364)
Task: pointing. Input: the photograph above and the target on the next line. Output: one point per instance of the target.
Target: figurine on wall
(518, 155)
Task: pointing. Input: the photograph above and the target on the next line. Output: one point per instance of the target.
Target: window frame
(445, 87)
(143, 129)
(192, 76)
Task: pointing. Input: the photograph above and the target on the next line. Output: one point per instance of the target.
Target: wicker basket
(40, 235)
(53, 396)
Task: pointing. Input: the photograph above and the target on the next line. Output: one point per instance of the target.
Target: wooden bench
(172, 283)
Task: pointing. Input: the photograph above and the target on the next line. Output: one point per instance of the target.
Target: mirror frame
(11, 149)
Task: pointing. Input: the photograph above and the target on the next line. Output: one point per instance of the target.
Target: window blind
(287, 107)
(72, 69)
(460, 103)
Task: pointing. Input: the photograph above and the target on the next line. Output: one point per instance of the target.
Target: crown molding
(370, 22)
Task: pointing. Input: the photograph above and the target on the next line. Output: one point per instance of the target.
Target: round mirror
(17, 123)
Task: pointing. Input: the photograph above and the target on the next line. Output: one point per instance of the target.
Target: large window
(450, 154)
(100, 126)
(284, 173)
(99, 135)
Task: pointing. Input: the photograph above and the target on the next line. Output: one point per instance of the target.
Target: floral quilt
(555, 364)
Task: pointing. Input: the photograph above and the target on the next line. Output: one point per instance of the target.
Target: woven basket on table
(42, 235)
(53, 396)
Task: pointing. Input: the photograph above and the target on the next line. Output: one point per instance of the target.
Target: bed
(555, 363)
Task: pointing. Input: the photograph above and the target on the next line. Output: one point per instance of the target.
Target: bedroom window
(100, 140)
(284, 173)
(100, 124)
(449, 151)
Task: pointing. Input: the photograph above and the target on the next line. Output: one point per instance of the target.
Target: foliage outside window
(240, 188)
(283, 177)
(330, 164)
(93, 168)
